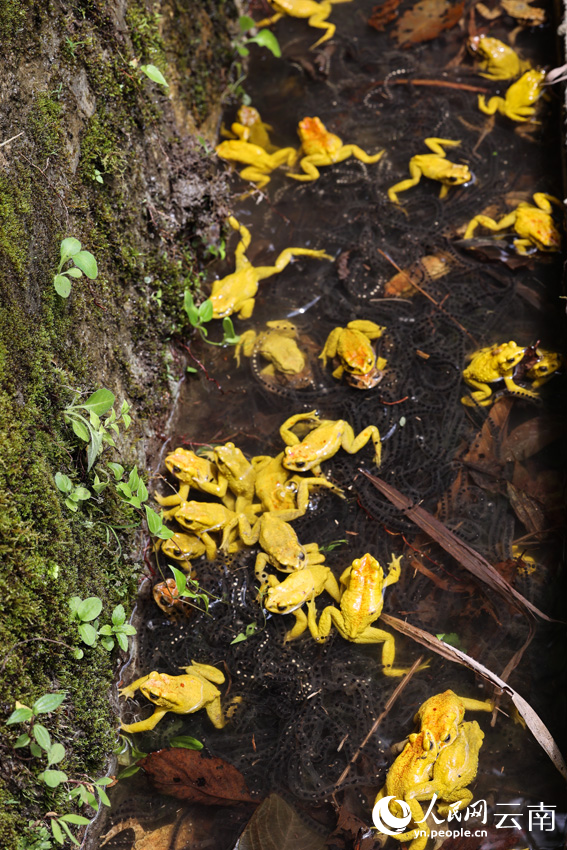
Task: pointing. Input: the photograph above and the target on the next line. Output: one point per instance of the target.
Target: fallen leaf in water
(426, 20)
(531, 437)
(534, 723)
(182, 834)
(275, 825)
(383, 14)
(407, 282)
(188, 775)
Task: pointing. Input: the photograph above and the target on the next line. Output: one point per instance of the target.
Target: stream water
(307, 707)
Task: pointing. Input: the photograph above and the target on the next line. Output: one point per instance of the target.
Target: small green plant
(334, 544)
(185, 741)
(85, 613)
(189, 588)
(84, 262)
(217, 252)
(156, 526)
(264, 38)
(202, 315)
(250, 630)
(74, 494)
(117, 630)
(134, 492)
(97, 175)
(452, 638)
(156, 296)
(59, 827)
(154, 74)
(38, 737)
(93, 430)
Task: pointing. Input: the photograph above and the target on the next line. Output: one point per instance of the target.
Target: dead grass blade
(458, 549)
(533, 721)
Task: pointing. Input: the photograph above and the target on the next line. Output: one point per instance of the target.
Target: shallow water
(306, 707)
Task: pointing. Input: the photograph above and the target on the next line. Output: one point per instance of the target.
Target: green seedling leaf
(63, 483)
(154, 520)
(206, 310)
(452, 638)
(22, 741)
(86, 262)
(80, 430)
(104, 780)
(130, 771)
(69, 833)
(62, 285)
(20, 715)
(35, 750)
(78, 654)
(74, 603)
(154, 74)
(180, 579)
(190, 309)
(108, 643)
(100, 401)
(81, 493)
(71, 505)
(117, 469)
(93, 449)
(122, 641)
(142, 492)
(103, 797)
(69, 247)
(56, 829)
(89, 609)
(56, 753)
(239, 638)
(49, 702)
(191, 369)
(126, 629)
(266, 38)
(246, 23)
(42, 736)
(118, 615)
(53, 778)
(230, 335)
(88, 634)
(187, 742)
(105, 630)
(74, 272)
(98, 485)
(241, 50)
(77, 819)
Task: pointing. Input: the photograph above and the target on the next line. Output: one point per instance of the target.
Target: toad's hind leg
(358, 153)
(245, 239)
(415, 172)
(319, 20)
(352, 444)
(482, 394)
(215, 713)
(285, 258)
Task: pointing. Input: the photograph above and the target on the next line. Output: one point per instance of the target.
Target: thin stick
(379, 720)
(7, 142)
(427, 295)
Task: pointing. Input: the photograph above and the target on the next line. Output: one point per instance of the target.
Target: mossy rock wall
(83, 112)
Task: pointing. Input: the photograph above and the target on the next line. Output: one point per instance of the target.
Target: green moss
(44, 125)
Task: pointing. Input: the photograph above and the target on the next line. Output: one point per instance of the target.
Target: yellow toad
(544, 369)
(296, 590)
(203, 518)
(488, 365)
(316, 13)
(279, 541)
(357, 359)
(181, 547)
(249, 127)
(319, 147)
(442, 714)
(237, 470)
(323, 442)
(533, 224)
(192, 471)
(455, 767)
(434, 165)
(179, 694)
(277, 345)
(517, 103)
(279, 490)
(236, 292)
(361, 604)
(259, 163)
(497, 60)
(411, 769)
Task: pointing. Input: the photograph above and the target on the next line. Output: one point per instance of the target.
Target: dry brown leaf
(426, 20)
(275, 825)
(470, 559)
(383, 14)
(531, 437)
(188, 775)
(534, 723)
(155, 839)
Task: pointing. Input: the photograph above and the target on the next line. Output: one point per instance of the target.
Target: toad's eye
(301, 556)
(447, 739)
(300, 464)
(153, 696)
